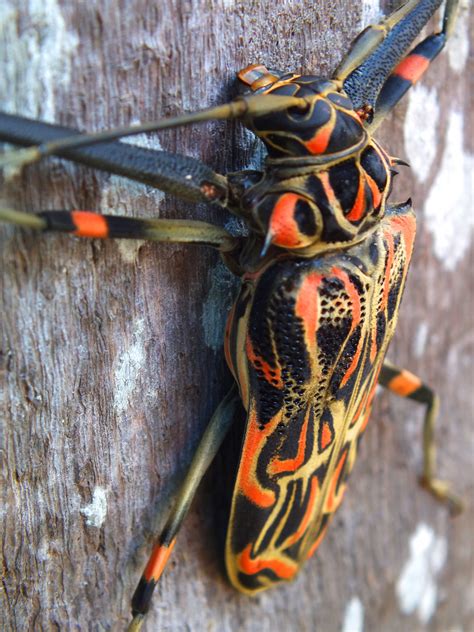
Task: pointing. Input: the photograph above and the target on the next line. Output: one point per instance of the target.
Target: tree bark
(112, 357)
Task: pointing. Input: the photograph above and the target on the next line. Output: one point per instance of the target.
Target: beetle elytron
(323, 270)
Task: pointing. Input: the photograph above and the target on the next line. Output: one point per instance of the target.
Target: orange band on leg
(412, 67)
(404, 384)
(157, 562)
(90, 224)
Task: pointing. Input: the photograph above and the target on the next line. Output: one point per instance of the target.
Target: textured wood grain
(111, 360)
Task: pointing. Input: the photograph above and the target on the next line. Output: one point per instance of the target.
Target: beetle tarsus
(136, 623)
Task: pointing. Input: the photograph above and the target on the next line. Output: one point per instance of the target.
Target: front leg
(181, 176)
(211, 441)
(94, 225)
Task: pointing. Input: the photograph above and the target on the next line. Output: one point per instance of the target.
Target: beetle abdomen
(306, 342)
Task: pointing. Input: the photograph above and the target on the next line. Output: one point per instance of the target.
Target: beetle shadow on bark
(220, 481)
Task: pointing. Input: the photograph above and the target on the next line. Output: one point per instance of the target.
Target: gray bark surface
(112, 359)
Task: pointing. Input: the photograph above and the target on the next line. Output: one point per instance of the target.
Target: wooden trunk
(112, 357)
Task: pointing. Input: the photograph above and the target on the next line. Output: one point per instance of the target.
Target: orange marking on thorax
(328, 190)
(282, 222)
(412, 67)
(157, 561)
(284, 570)
(90, 224)
(320, 141)
(291, 465)
(247, 482)
(376, 195)
(358, 208)
(404, 384)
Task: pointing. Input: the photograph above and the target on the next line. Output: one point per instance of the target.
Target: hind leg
(208, 447)
(406, 384)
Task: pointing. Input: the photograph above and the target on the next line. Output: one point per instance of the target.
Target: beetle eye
(299, 112)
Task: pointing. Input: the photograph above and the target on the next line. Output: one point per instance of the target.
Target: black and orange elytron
(323, 270)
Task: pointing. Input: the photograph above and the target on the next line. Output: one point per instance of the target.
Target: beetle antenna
(241, 108)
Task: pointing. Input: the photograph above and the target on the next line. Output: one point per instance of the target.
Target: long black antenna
(251, 106)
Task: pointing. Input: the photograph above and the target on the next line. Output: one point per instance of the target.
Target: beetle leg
(368, 40)
(412, 67)
(406, 384)
(182, 176)
(210, 443)
(376, 52)
(94, 225)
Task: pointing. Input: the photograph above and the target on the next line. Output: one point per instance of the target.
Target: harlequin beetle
(323, 270)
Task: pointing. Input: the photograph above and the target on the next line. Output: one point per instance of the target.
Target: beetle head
(329, 125)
